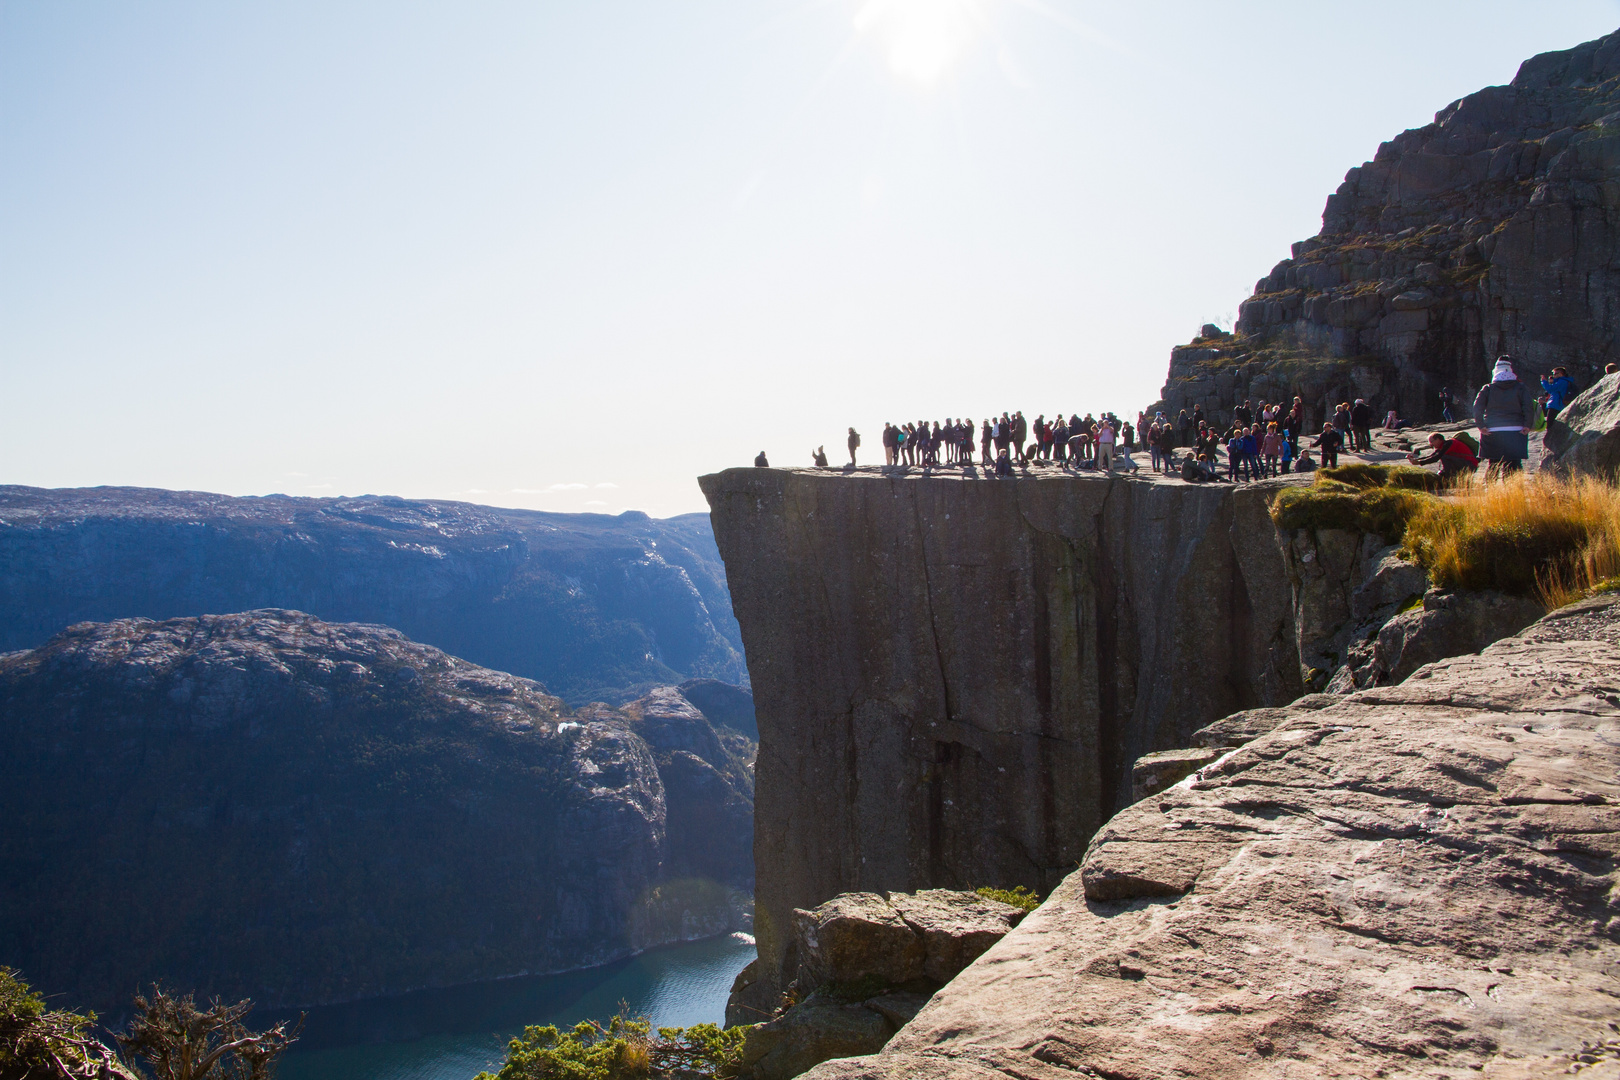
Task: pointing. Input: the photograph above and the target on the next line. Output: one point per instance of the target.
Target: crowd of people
(1262, 440)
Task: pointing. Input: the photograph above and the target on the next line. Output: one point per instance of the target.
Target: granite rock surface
(1492, 230)
(1419, 880)
(1585, 436)
(920, 647)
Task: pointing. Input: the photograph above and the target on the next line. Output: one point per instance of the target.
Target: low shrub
(1550, 537)
(1330, 504)
(1363, 474)
(1018, 896)
(621, 1049)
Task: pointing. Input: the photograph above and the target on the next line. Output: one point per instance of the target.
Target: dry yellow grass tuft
(1550, 537)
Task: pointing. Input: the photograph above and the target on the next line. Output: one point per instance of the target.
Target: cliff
(596, 607)
(1417, 880)
(952, 676)
(269, 805)
(1492, 230)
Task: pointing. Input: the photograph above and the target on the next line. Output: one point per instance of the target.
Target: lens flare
(923, 37)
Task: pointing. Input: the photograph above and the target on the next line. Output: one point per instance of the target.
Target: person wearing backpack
(1453, 456)
(1503, 410)
(854, 444)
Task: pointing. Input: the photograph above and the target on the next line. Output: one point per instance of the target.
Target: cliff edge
(952, 676)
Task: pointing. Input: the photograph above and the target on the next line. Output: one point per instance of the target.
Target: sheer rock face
(1492, 230)
(1419, 880)
(268, 805)
(953, 676)
(598, 608)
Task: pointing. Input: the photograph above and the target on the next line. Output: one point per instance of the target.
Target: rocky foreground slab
(1417, 881)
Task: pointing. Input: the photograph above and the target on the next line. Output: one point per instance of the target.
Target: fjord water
(453, 1033)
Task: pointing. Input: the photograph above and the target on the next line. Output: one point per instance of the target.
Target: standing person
(1020, 435)
(1244, 414)
(1294, 426)
(891, 444)
(1502, 409)
(1167, 447)
(985, 436)
(1105, 446)
(1184, 427)
(1560, 388)
(1330, 440)
(1155, 448)
(1128, 435)
(1361, 425)
(1272, 446)
(1341, 417)
(1445, 405)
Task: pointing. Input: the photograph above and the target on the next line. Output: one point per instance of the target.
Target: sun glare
(923, 37)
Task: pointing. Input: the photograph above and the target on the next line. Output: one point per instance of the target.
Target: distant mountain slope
(266, 804)
(1495, 229)
(595, 607)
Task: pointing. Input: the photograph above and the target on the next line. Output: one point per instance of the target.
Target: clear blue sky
(571, 255)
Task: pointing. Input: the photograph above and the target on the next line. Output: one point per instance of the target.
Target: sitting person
(1454, 457)
(818, 457)
(1003, 463)
(760, 462)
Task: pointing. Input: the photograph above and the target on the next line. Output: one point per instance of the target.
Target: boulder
(1586, 436)
(815, 1030)
(896, 940)
(856, 936)
(904, 945)
(1448, 624)
(955, 927)
(1154, 772)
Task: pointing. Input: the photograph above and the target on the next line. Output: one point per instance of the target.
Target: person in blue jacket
(1560, 388)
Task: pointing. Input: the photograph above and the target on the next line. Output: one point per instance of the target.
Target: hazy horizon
(571, 257)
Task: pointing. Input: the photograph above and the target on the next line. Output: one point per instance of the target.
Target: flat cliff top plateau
(1418, 881)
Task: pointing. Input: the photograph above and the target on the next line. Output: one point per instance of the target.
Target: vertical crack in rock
(951, 675)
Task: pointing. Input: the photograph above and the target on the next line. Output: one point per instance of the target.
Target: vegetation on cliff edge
(1556, 538)
(621, 1049)
(1018, 896)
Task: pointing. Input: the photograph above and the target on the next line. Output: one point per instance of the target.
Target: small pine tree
(178, 1041)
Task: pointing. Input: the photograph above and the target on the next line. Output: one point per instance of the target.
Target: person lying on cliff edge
(1453, 456)
(1503, 409)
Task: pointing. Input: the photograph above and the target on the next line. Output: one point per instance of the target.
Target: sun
(923, 37)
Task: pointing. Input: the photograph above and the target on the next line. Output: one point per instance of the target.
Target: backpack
(1461, 450)
(1469, 441)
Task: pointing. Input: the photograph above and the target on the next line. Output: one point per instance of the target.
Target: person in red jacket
(1454, 457)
